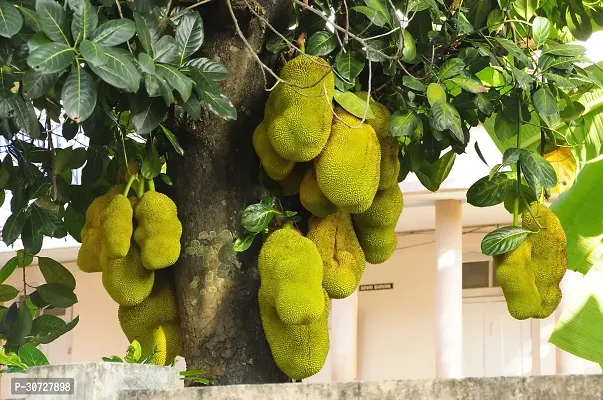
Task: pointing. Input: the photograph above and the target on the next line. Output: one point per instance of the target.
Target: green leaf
(189, 35)
(544, 102)
(10, 359)
(74, 222)
(451, 68)
(52, 57)
(151, 165)
(243, 243)
(431, 176)
(487, 192)
(118, 71)
(30, 17)
(445, 116)
(13, 227)
(523, 79)
(503, 240)
(275, 43)
(18, 331)
(7, 270)
(31, 356)
(176, 79)
(495, 20)
(134, 352)
(526, 8)
(53, 20)
(212, 70)
(9, 83)
(144, 34)
(213, 100)
(381, 7)
(354, 104)
(413, 83)
(11, 20)
(24, 259)
(32, 237)
(55, 272)
(192, 107)
(36, 41)
(114, 32)
(93, 53)
(7, 292)
(79, 94)
(85, 19)
(349, 65)
(374, 16)
(541, 29)
(46, 324)
(478, 12)
(165, 50)
(57, 295)
(59, 332)
(147, 65)
(321, 43)
(147, 113)
(256, 217)
(514, 50)
(173, 140)
(483, 104)
(565, 50)
(404, 123)
(537, 171)
(37, 84)
(469, 82)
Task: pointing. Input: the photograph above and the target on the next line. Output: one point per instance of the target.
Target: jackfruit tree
(232, 168)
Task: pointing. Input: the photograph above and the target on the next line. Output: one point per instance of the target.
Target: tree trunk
(213, 183)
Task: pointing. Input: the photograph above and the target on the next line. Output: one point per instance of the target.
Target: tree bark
(213, 183)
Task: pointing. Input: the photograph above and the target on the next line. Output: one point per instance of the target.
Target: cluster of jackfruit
(345, 172)
(530, 275)
(128, 239)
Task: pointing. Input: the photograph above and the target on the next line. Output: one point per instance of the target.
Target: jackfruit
(292, 182)
(88, 257)
(312, 198)
(376, 227)
(299, 351)
(276, 167)
(515, 275)
(342, 256)
(549, 256)
(117, 227)
(158, 231)
(125, 279)
(298, 112)
(390, 147)
(348, 169)
(291, 272)
(167, 338)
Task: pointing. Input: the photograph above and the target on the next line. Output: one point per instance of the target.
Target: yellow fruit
(291, 273)
(276, 167)
(515, 275)
(292, 182)
(435, 93)
(348, 169)
(376, 227)
(342, 256)
(117, 227)
(125, 279)
(299, 351)
(298, 115)
(312, 198)
(168, 340)
(158, 231)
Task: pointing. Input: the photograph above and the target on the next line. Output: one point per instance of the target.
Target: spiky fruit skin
(291, 273)
(549, 256)
(275, 166)
(125, 279)
(342, 256)
(158, 231)
(292, 182)
(376, 227)
(117, 227)
(167, 338)
(88, 257)
(299, 117)
(299, 351)
(390, 147)
(348, 169)
(312, 198)
(515, 275)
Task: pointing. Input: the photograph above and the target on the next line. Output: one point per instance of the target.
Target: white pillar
(449, 289)
(344, 338)
(572, 286)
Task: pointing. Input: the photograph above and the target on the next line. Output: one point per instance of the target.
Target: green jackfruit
(342, 256)
(390, 147)
(291, 273)
(299, 351)
(376, 227)
(515, 275)
(276, 167)
(167, 338)
(125, 279)
(549, 256)
(117, 227)
(158, 231)
(292, 182)
(299, 114)
(348, 169)
(88, 257)
(312, 198)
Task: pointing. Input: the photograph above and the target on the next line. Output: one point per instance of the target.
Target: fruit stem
(129, 185)
(287, 225)
(151, 185)
(140, 188)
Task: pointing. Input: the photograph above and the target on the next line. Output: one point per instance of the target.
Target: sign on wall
(376, 286)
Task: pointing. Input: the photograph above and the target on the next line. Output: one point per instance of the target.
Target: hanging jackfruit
(88, 257)
(125, 279)
(376, 227)
(390, 147)
(292, 182)
(276, 167)
(117, 227)
(515, 275)
(312, 198)
(299, 351)
(158, 231)
(342, 256)
(298, 111)
(291, 274)
(348, 169)
(549, 256)
(167, 338)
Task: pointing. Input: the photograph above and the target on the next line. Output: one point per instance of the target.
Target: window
(479, 274)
